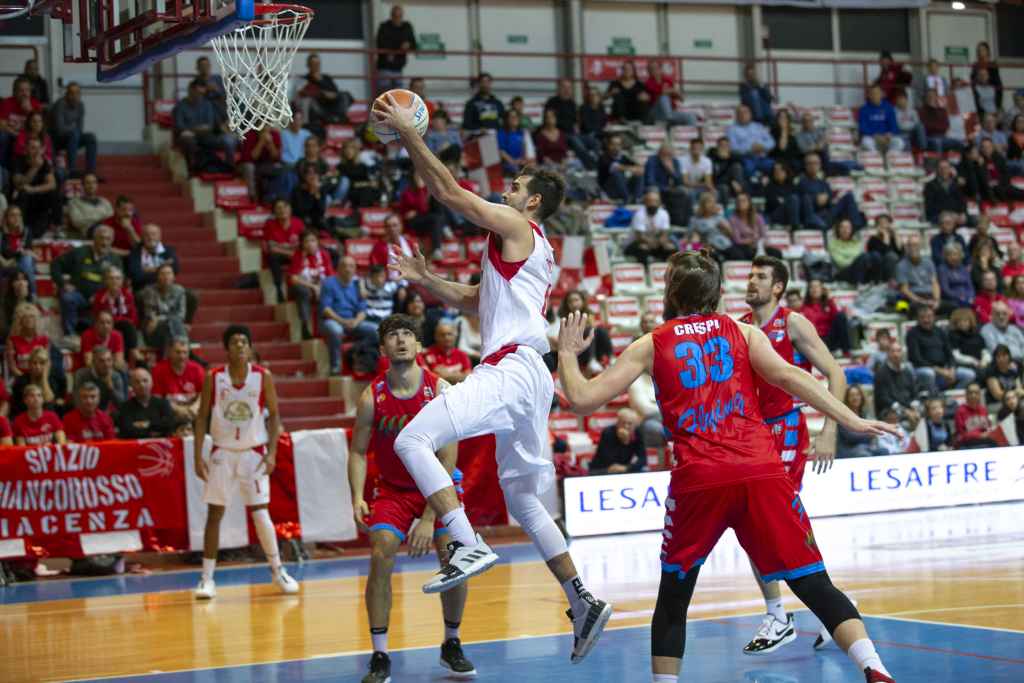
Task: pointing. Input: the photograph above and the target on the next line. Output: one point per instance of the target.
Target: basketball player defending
(509, 393)
(243, 455)
(727, 472)
(794, 338)
(386, 405)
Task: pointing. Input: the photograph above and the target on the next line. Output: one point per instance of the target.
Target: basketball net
(255, 61)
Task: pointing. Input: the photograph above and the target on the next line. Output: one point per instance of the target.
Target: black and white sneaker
(380, 669)
(453, 659)
(465, 562)
(772, 635)
(588, 627)
(822, 640)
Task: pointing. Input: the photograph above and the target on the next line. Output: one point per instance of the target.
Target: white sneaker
(588, 627)
(206, 590)
(772, 635)
(285, 583)
(466, 561)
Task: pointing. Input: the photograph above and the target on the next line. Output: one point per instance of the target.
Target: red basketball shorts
(792, 443)
(766, 514)
(394, 509)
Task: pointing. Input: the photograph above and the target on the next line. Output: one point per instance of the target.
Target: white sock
(208, 567)
(775, 608)
(864, 655)
(379, 637)
(451, 629)
(268, 537)
(459, 526)
(665, 678)
(574, 590)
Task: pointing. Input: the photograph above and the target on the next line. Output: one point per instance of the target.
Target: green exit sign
(703, 43)
(517, 39)
(957, 54)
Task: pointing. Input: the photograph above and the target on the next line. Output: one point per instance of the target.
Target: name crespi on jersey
(700, 327)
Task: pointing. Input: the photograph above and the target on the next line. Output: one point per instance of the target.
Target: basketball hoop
(256, 60)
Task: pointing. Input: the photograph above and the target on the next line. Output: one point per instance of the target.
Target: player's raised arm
(357, 456)
(586, 396)
(806, 340)
(202, 424)
(769, 365)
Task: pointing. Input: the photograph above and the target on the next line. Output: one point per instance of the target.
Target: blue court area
(916, 652)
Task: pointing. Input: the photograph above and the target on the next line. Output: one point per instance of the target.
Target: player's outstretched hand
(823, 453)
(575, 334)
(874, 427)
(360, 511)
(269, 462)
(391, 114)
(412, 268)
(420, 539)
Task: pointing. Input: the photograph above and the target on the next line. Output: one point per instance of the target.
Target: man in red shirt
(102, 333)
(36, 426)
(423, 215)
(310, 266)
(443, 359)
(973, 424)
(126, 226)
(986, 296)
(179, 379)
(661, 86)
(87, 422)
(1013, 266)
(392, 236)
(280, 238)
(13, 112)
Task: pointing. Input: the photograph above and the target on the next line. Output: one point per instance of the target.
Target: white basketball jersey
(514, 296)
(236, 413)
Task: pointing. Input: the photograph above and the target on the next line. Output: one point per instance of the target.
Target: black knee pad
(828, 603)
(668, 626)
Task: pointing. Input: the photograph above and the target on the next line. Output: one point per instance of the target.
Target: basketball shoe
(466, 561)
(380, 669)
(772, 635)
(872, 676)
(285, 583)
(453, 659)
(206, 590)
(588, 626)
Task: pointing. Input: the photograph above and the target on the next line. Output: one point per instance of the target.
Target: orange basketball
(408, 100)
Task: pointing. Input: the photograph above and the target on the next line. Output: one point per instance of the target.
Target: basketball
(407, 99)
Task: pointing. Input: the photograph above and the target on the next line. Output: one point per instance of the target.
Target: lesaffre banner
(636, 502)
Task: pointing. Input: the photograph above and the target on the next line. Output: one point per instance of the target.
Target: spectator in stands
(310, 266)
(598, 354)
(892, 78)
(651, 237)
(1015, 149)
(467, 326)
(69, 134)
(444, 358)
(36, 426)
(440, 136)
(947, 235)
(968, 345)
(954, 277)
(1013, 266)
(942, 194)
(41, 373)
(917, 277)
(580, 125)
(518, 105)
(974, 427)
(783, 204)
(984, 260)
(126, 225)
(990, 131)
(593, 120)
(550, 141)
(643, 400)
(662, 170)
(877, 124)
(986, 81)
(886, 248)
(214, 85)
(895, 383)
(88, 209)
(987, 297)
(119, 300)
(483, 110)
(630, 100)
(309, 202)
(999, 177)
(696, 170)
(850, 444)
(13, 112)
(164, 309)
(983, 233)
(728, 171)
(829, 321)
(1001, 376)
(751, 142)
(935, 121)
(1015, 299)
(619, 176)
(35, 190)
(34, 129)
(393, 237)
(563, 103)
(931, 352)
(145, 416)
(419, 86)
(423, 214)
(620, 448)
(319, 98)
(363, 187)
(747, 229)
(102, 372)
(343, 312)
(261, 165)
(911, 129)
(820, 209)
(514, 145)
(664, 94)
(939, 429)
(280, 239)
(935, 80)
(79, 274)
(40, 88)
(1015, 110)
(756, 96)
(1000, 331)
(380, 294)
(86, 421)
(25, 336)
(333, 184)
(102, 333)
(853, 264)
(812, 137)
(787, 149)
(16, 291)
(709, 224)
(395, 39)
(16, 253)
(1008, 406)
(293, 139)
(148, 255)
(179, 379)
(972, 175)
(197, 130)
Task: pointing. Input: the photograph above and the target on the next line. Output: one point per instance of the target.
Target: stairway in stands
(208, 268)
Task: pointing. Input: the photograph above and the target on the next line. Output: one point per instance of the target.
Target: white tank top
(236, 421)
(514, 296)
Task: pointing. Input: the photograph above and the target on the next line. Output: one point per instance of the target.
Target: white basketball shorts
(231, 471)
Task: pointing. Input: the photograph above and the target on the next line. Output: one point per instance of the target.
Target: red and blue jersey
(773, 401)
(390, 415)
(708, 398)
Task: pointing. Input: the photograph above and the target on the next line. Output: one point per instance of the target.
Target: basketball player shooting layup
(727, 473)
(392, 399)
(243, 454)
(793, 337)
(509, 394)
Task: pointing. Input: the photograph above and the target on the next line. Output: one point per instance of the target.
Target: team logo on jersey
(779, 336)
(238, 412)
(428, 392)
(392, 424)
(777, 428)
(779, 322)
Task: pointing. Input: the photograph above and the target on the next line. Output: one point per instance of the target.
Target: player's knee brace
(668, 626)
(533, 517)
(827, 602)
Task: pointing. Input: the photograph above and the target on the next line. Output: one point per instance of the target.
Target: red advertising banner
(79, 499)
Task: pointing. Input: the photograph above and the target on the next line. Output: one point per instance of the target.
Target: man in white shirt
(698, 175)
(650, 226)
